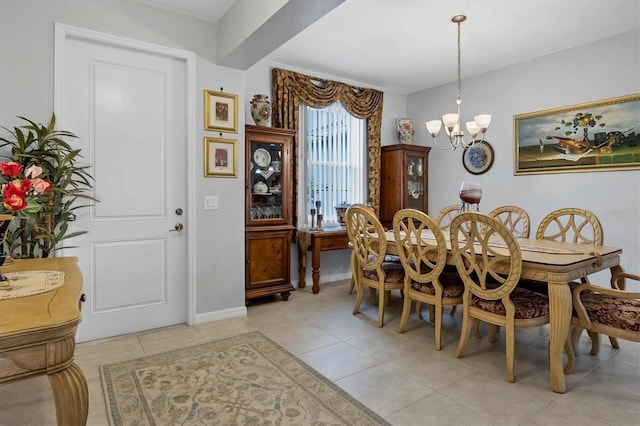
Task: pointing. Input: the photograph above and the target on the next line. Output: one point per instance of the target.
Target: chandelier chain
(459, 65)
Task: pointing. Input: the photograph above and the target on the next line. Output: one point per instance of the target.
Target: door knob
(178, 227)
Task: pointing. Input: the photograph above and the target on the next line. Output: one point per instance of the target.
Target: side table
(334, 238)
(37, 336)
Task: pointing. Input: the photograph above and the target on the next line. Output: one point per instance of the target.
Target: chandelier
(452, 120)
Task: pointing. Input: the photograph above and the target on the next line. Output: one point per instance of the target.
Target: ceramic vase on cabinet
(405, 128)
(260, 109)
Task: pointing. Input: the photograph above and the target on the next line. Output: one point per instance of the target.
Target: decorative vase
(341, 211)
(405, 129)
(5, 221)
(260, 109)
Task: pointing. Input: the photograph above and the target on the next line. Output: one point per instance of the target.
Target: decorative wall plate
(478, 159)
(262, 157)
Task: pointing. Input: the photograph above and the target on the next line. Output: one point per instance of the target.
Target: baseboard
(324, 279)
(242, 311)
(220, 315)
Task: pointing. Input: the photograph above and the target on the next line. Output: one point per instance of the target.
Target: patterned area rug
(240, 380)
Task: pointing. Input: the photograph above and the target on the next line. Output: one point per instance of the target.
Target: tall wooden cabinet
(268, 220)
(403, 180)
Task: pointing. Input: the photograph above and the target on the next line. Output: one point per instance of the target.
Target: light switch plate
(211, 202)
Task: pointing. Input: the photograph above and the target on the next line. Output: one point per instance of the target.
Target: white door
(128, 107)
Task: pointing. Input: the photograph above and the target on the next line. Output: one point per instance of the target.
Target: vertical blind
(334, 158)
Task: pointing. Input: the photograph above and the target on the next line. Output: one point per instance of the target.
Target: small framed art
(220, 157)
(220, 112)
(478, 159)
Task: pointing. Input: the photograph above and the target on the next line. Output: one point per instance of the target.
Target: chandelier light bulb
(473, 128)
(434, 127)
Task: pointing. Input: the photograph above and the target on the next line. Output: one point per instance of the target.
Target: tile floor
(400, 376)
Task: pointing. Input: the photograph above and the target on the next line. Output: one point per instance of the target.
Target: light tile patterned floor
(400, 376)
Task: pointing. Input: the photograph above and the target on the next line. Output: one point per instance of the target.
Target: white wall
(26, 85)
(566, 78)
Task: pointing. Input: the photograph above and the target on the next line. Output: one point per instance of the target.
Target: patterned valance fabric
(290, 88)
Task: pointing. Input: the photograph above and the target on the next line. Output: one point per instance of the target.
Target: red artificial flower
(14, 197)
(25, 185)
(11, 169)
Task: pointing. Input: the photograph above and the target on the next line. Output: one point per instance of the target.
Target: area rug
(240, 380)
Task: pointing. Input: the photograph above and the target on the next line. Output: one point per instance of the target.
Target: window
(333, 159)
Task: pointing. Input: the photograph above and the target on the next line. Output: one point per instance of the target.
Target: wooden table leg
(315, 265)
(560, 321)
(302, 267)
(71, 396)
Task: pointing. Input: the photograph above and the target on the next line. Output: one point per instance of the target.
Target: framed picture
(220, 112)
(596, 136)
(220, 157)
(478, 159)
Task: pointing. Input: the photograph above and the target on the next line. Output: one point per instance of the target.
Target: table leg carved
(560, 319)
(71, 395)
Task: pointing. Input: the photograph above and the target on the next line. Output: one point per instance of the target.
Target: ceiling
(405, 46)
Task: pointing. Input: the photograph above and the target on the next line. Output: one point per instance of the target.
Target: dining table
(557, 264)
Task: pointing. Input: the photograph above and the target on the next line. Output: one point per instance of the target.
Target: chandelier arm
(451, 146)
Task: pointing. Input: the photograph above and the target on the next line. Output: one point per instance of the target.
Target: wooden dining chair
(612, 311)
(423, 253)
(491, 273)
(443, 219)
(446, 215)
(515, 218)
(578, 226)
(387, 258)
(571, 225)
(369, 267)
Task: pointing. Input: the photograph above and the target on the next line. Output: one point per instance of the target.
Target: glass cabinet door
(265, 180)
(416, 182)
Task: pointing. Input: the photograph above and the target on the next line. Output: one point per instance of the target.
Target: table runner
(29, 283)
(525, 244)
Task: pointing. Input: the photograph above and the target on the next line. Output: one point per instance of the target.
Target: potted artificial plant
(43, 184)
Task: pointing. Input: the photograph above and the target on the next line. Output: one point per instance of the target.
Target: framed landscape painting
(596, 136)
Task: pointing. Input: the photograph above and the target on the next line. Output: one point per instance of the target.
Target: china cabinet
(268, 217)
(403, 180)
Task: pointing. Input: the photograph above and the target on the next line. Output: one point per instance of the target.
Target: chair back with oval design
(489, 261)
(571, 225)
(515, 218)
(446, 215)
(368, 263)
(422, 248)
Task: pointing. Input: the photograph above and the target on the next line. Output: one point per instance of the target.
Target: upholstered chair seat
(528, 304)
(451, 288)
(393, 271)
(612, 311)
